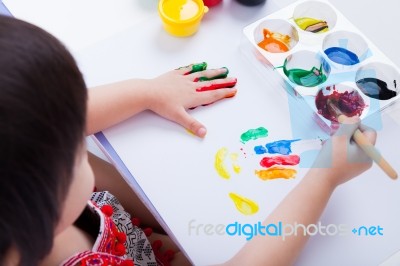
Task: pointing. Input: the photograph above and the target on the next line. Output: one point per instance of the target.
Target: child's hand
(340, 157)
(176, 91)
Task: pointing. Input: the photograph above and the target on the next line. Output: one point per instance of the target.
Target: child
(46, 180)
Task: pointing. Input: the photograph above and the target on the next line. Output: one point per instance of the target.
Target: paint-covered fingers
(210, 74)
(216, 84)
(192, 68)
(212, 96)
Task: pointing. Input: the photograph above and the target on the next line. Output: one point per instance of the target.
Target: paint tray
(315, 53)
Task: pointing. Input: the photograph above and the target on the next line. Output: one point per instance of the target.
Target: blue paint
(281, 147)
(260, 149)
(342, 56)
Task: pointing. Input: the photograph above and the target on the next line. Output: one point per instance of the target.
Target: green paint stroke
(253, 134)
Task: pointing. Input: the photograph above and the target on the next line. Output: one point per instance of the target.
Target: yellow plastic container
(181, 17)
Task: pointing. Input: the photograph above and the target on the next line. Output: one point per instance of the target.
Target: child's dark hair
(42, 121)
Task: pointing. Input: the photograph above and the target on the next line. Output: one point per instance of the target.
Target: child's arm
(169, 95)
(334, 165)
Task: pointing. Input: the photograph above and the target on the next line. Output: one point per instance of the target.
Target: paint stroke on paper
(220, 163)
(280, 160)
(227, 162)
(244, 205)
(277, 147)
(253, 134)
(276, 173)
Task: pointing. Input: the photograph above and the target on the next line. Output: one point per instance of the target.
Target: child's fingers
(209, 97)
(370, 133)
(191, 124)
(192, 68)
(210, 74)
(215, 95)
(348, 127)
(216, 84)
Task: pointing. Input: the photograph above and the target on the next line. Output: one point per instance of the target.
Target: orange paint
(275, 173)
(275, 42)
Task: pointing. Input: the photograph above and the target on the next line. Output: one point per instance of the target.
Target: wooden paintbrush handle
(373, 153)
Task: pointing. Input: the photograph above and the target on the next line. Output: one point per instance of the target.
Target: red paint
(280, 160)
(210, 3)
(218, 86)
(244, 153)
(350, 103)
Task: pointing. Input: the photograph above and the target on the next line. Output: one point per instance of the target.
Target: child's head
(42, 121)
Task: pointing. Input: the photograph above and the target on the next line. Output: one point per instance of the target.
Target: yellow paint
(276, 172)
(244, 205)
(219, 164)
(181, 18)
(305, 23)
(190, 132)
(181, 9)
(235, 166)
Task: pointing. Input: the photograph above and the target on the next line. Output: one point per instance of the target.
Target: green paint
(198, 67)
(195, 67)
(307, 78)
(253, 134)
(220, 76)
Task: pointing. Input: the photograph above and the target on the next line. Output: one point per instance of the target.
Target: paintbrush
(364, 143)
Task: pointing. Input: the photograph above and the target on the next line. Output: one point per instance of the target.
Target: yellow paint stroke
(190, 132)
(236, 168)
(244, 205)
(275, 173)
(219, 164)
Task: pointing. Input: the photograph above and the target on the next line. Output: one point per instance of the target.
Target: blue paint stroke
(281, 147)
(260, 149)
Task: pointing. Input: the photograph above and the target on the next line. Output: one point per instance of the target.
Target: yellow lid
(182, 10)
